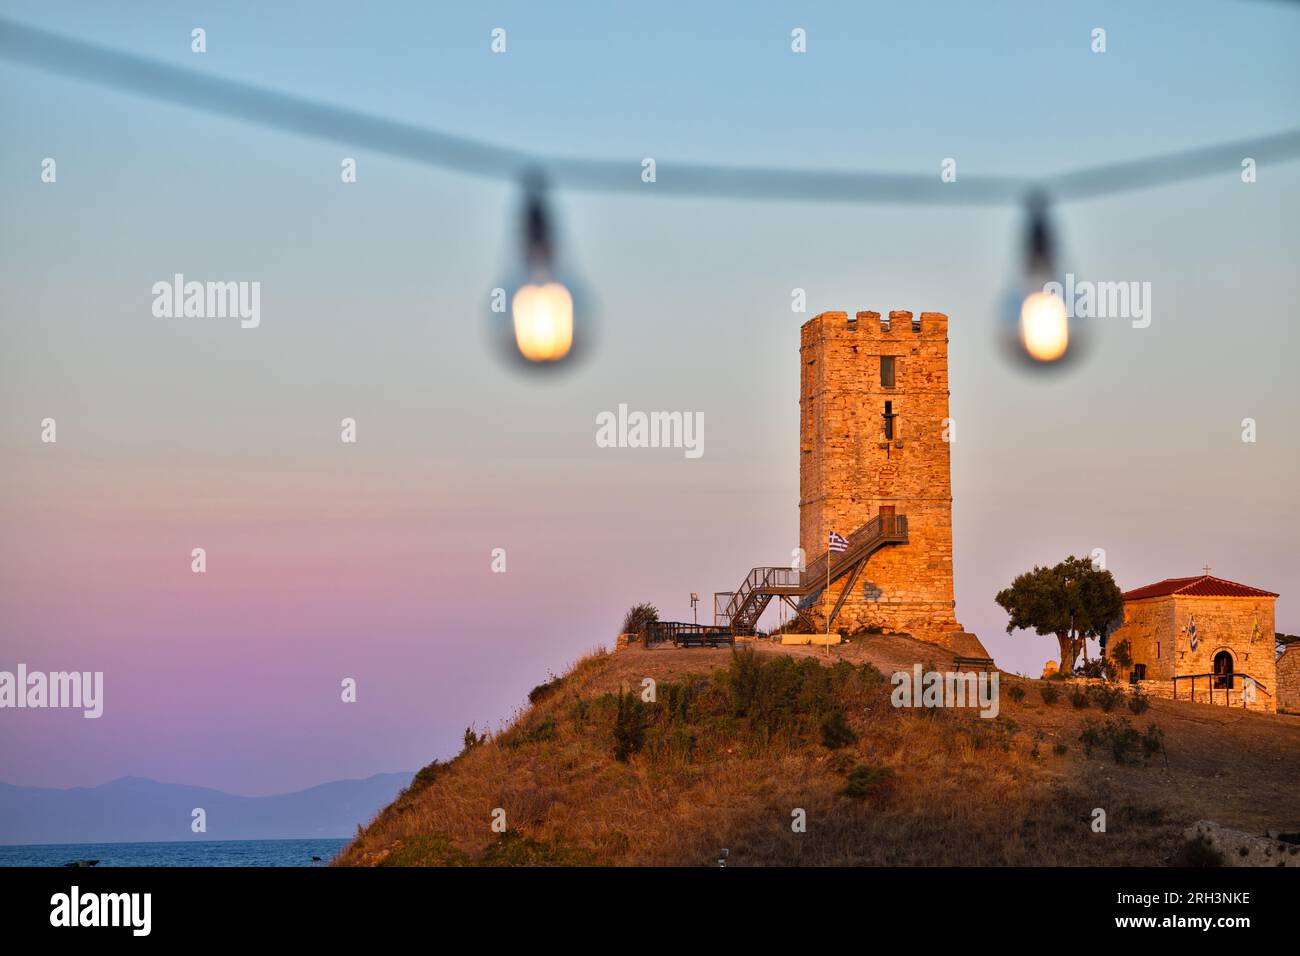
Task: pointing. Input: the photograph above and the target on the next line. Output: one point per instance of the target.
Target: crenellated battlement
(896, 325)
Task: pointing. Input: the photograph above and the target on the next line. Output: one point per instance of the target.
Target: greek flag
(1191, 632)
(838, 542)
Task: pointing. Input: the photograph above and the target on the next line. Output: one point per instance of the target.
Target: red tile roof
(1201, 585)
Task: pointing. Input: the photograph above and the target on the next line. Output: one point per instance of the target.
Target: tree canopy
(639, 617)
(1073, 600)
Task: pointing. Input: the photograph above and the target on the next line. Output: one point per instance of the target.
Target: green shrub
(1138, 702)
(743, 677)
(1059, 749)
(1090, 736)
(1016, 693)
(425, 776)
(836, 732)
(639, 617)
(629, 727)
(1105, 696)
(1079, 696)
(544, 729)
(429, 850)
(513, 849)
(543, 690)
(675, 699)
(1153, 742)
(1049, 692)
(1121, 738)
(1102, 668)
(869, 782)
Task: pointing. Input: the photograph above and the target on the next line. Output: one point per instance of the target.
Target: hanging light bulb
(1044, 326)
(537, 311)
(1038, 325)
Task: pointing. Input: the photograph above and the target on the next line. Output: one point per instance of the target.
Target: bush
(869, 782)
(1059, 749)
(1050, 693)
(1016, 693)
(1102, 668)
(836, 732)
(542, 690)
(1123, 741)
(1153, 742)
(1138, 702)
(639, 617)
(1122, 738)
(425, 776)
(1079, 696)
(743, 677)
(629, 727)
(544, 729)
(514, 849)
(1105, 696)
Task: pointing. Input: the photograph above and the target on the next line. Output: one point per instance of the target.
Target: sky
(373, 560)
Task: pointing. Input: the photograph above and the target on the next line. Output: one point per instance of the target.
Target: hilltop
(734, 745)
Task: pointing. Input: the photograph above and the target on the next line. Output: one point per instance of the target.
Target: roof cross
(1206, 569)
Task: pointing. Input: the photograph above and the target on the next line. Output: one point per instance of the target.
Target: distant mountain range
(136, 809)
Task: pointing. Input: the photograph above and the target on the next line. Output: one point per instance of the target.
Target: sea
(186, 853)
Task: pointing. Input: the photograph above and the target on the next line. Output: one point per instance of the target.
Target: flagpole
(828, 596)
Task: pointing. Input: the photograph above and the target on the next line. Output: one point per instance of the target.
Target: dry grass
(965, 791)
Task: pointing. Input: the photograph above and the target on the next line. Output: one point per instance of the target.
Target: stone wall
(1227, 623)
(1287, 675)
(1149, 629)
(1156, 629)
(848, 471)
(1239, 848)
(1234, 696)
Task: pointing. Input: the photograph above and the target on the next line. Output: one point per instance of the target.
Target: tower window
(886, 371)
(889, 417)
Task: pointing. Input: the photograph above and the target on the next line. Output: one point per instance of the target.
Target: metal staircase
(741, 609)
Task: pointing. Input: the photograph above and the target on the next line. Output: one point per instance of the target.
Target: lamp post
(695, 607)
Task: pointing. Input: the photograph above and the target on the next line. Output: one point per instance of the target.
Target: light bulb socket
(1040, 244)
(537, 223)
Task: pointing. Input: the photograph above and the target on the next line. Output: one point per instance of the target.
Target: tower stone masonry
(874, 438)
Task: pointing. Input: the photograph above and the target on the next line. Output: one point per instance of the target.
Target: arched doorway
(1223, 670)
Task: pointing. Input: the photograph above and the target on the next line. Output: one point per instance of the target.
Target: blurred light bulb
(540, 315)
(1036, 325)
(543, 321)
(1044, 326)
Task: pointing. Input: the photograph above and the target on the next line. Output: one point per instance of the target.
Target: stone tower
(873, 405)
